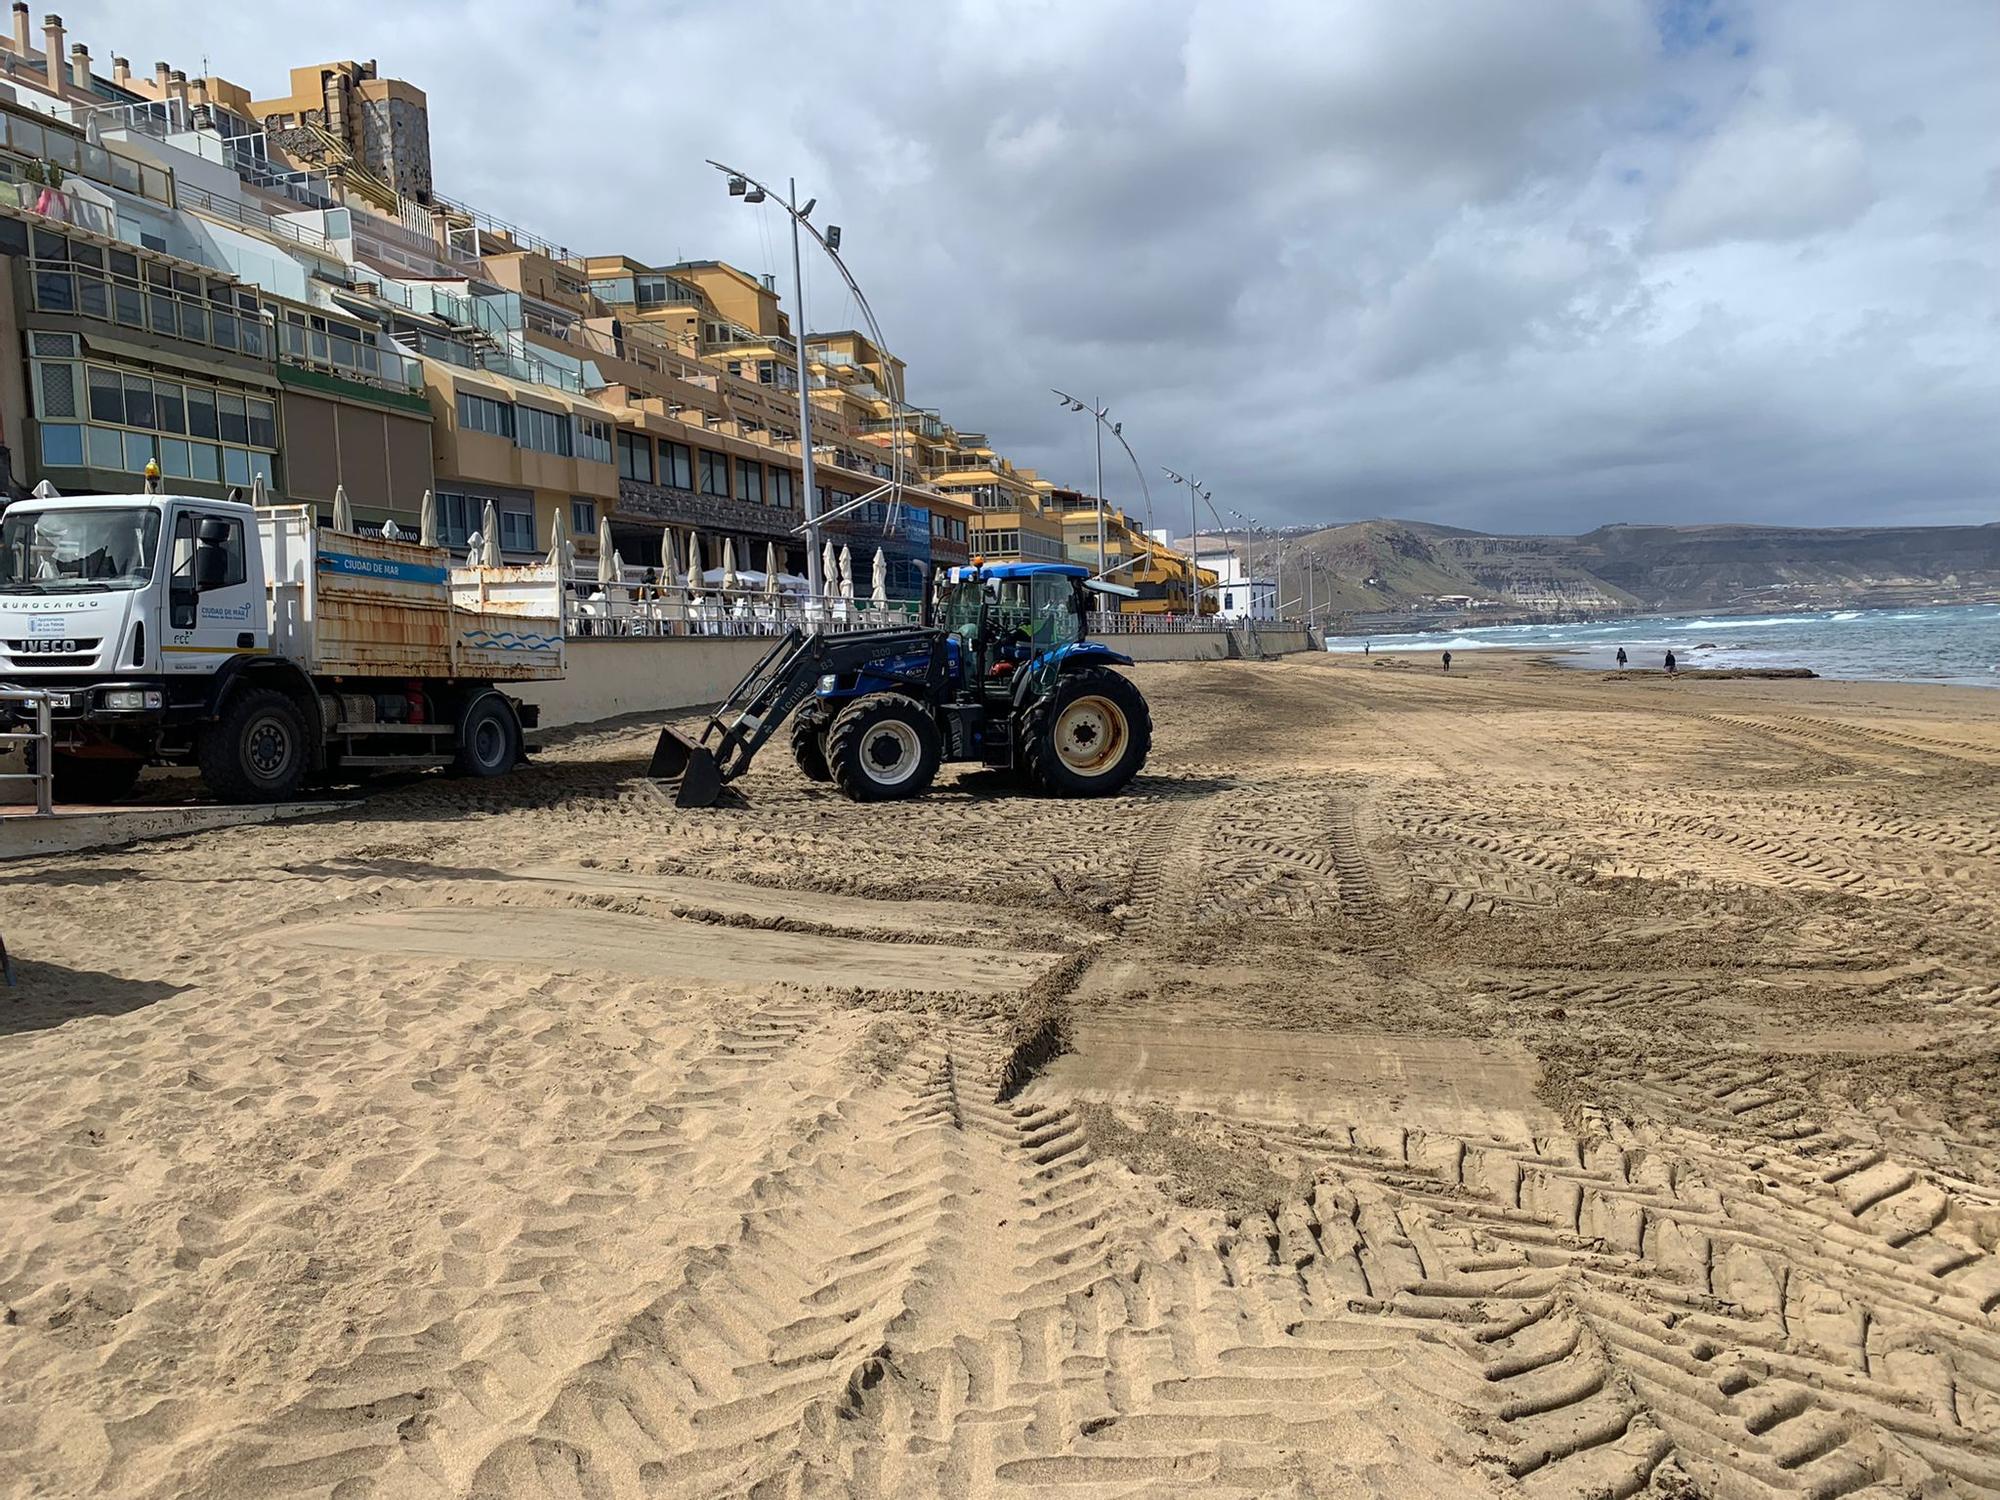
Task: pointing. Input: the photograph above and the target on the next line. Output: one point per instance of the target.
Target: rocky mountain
(1390, 568)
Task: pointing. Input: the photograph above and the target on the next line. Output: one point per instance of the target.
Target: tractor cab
(1011, 613)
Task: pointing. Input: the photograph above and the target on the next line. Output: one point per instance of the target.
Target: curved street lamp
(1102, 414)
(750, 190)
(1196, 494)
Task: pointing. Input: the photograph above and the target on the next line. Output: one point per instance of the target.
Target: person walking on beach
(1621, 658)
(1447, 661)
(1670, 664)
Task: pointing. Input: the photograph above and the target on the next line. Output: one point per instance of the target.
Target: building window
(263, 423)
(107, 396)
(593, 440)
(231, 415)
(63, 446)
(677, 465)
(749, 481)
(458, 518)
(135, 419)
(543, 431)
(200, 412)
(781, 488)
(482, 414)
(517, 527)
(635, 457)
(582, 517)
(714, 474)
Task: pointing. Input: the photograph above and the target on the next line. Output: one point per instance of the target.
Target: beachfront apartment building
(243, 289)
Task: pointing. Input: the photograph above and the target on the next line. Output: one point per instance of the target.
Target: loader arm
(698, 769)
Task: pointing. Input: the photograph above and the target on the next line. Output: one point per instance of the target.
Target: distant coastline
(1949, 643)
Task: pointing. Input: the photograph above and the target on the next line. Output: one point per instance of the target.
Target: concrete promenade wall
(610, 676)
(643, 674)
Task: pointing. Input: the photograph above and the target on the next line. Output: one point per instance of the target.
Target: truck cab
(144, 586)
(124, 607)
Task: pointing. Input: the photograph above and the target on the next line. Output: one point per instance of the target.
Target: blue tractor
(997, 672)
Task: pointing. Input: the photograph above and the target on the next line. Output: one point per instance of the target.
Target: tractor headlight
(131, 698)
(829, 682)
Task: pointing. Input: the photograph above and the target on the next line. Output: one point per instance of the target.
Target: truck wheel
(882, 747)
(91, 778)
(489, 741)
(1088, 735)
(809, 744)
(255, 751)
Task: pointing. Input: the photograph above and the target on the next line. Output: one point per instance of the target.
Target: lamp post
(1100, 413)
(1117, 429)
(1196, 494)
(1249, 574)
(743, 186)
(750, 190)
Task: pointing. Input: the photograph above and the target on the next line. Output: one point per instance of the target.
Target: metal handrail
(44, 774)
(249, 217)
(594, 608)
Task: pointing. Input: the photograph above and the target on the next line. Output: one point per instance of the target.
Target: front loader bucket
(687, 766)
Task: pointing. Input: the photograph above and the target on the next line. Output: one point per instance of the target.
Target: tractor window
(961, 607)
(1053, 604)
(1011, 607)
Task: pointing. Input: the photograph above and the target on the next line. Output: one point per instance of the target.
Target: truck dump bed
(362, 606)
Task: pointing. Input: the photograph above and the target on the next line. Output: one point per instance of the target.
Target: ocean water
(1951, 643)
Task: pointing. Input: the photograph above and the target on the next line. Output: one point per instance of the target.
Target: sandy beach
(1522, 1082)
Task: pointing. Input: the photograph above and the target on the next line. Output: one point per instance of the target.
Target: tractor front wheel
(809, 744)
(1088, 736)
(882, 747)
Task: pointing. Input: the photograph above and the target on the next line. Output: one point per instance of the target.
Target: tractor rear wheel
(882, 747)
(809, 744)
(1088, 736)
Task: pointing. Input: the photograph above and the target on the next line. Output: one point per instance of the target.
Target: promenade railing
(40, 740)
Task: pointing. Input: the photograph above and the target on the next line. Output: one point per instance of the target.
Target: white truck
(173, 630)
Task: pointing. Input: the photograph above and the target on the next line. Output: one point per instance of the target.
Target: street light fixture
(1100, 413)
(1196, 494)
(1251, 528)
(746, 187)
(1097, 433)
(829, 241)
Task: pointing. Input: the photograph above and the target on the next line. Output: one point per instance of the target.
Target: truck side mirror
(212, 532)
(211, 562)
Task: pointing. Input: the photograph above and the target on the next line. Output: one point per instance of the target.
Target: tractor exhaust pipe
(687, 766)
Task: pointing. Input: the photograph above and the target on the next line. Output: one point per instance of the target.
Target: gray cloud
(1508, 263)
(1769, 173)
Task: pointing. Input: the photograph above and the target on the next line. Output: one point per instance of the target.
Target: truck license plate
(58, 700)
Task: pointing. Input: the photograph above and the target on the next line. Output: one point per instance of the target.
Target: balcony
(38, 138)
(256, 220)
(78, 279)
(58, 207)
(348, 358)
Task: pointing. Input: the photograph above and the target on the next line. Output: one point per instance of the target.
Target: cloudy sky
(1509, 264)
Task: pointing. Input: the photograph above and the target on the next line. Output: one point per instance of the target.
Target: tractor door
(1054, 620)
